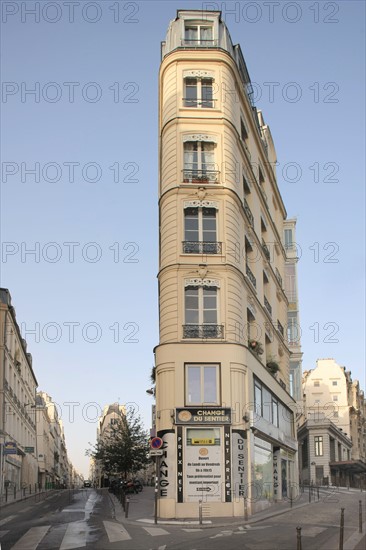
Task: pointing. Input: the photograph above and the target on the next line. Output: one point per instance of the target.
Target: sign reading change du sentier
(203, 415)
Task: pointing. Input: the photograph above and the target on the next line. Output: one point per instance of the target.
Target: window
(274, 412)
(316, 383)
(243, 131)
(200, 231)
(304, 453)
(291, 383)
(318, 443)
(288, 239)
(258, 399)
(198, 35)
(334, 383)
(199, 165)
(290, 282)
(202, 384)
(201, 313)
(335, 397)
(198, 92)
(293, 329)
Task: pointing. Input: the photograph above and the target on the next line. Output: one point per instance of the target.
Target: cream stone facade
(111, 414)
(293, 317)
(222, 410)
(329, 390)
(18, 455)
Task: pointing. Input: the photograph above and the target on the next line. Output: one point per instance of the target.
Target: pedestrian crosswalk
(69, 536)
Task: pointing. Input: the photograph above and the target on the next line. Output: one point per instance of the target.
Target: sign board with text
(203, 415)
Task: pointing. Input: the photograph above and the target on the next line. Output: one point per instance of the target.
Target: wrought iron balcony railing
(203, 331)
(198, 43)
(278, 277)
(200, 176)
(250, 275)
(266, 251)
(205, 103)
(268, 306)
(201, 247)
(248, 213)
(280, 329)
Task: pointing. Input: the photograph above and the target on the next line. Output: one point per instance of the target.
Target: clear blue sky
(319, 46)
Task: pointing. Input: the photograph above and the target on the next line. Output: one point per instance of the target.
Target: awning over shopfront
(350, 466)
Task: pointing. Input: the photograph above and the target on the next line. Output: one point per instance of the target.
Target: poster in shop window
(204, 465)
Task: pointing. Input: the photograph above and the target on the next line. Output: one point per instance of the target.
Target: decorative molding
(201, 193)
(201, 204)
(198, 74)
(197, 281)
(200, 137)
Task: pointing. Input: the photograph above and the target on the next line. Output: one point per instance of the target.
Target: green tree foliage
(124, 448)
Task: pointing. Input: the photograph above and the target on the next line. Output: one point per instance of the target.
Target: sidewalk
(141, 511)
(141, 508)
(22, 495)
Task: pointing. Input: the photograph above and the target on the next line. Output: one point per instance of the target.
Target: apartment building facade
(223, 407)
(293, 316)
(110, 416)
(18, 455)
(330, 391)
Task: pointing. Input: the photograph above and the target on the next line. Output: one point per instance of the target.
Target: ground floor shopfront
(227, 470)
(227, 428)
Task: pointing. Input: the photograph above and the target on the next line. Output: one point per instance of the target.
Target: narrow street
(93, 519)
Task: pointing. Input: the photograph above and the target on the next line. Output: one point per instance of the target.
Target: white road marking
(75, 536)
(2, 534)
(192, 530)
(156, 531)
(115, 531)
(5, 520)
(32, 538)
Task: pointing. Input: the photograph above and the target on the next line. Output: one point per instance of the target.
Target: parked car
(87, 483)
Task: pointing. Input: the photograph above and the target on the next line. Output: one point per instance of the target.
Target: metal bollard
(291, 499)
(318, 492)
(6, 494)
(15, 492)
(309, 493)
(245, 509)
(200, 511)
(360, 516)
(127, 506)
(341, 530)
(298, 531)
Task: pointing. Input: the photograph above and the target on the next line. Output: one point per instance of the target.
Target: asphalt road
(87, 519)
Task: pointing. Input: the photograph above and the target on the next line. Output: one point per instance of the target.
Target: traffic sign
(156, 452)
(156, 443)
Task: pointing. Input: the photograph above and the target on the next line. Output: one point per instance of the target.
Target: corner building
(223, 407)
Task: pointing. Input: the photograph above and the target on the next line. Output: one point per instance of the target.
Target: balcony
(268, 306)
(250, 276)
(203, 103)
(266, 250)
(201, 247)
(278, 277)
(203, 331)
(200, 176)
(280, 329)
(197, 43)
(248, 213)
